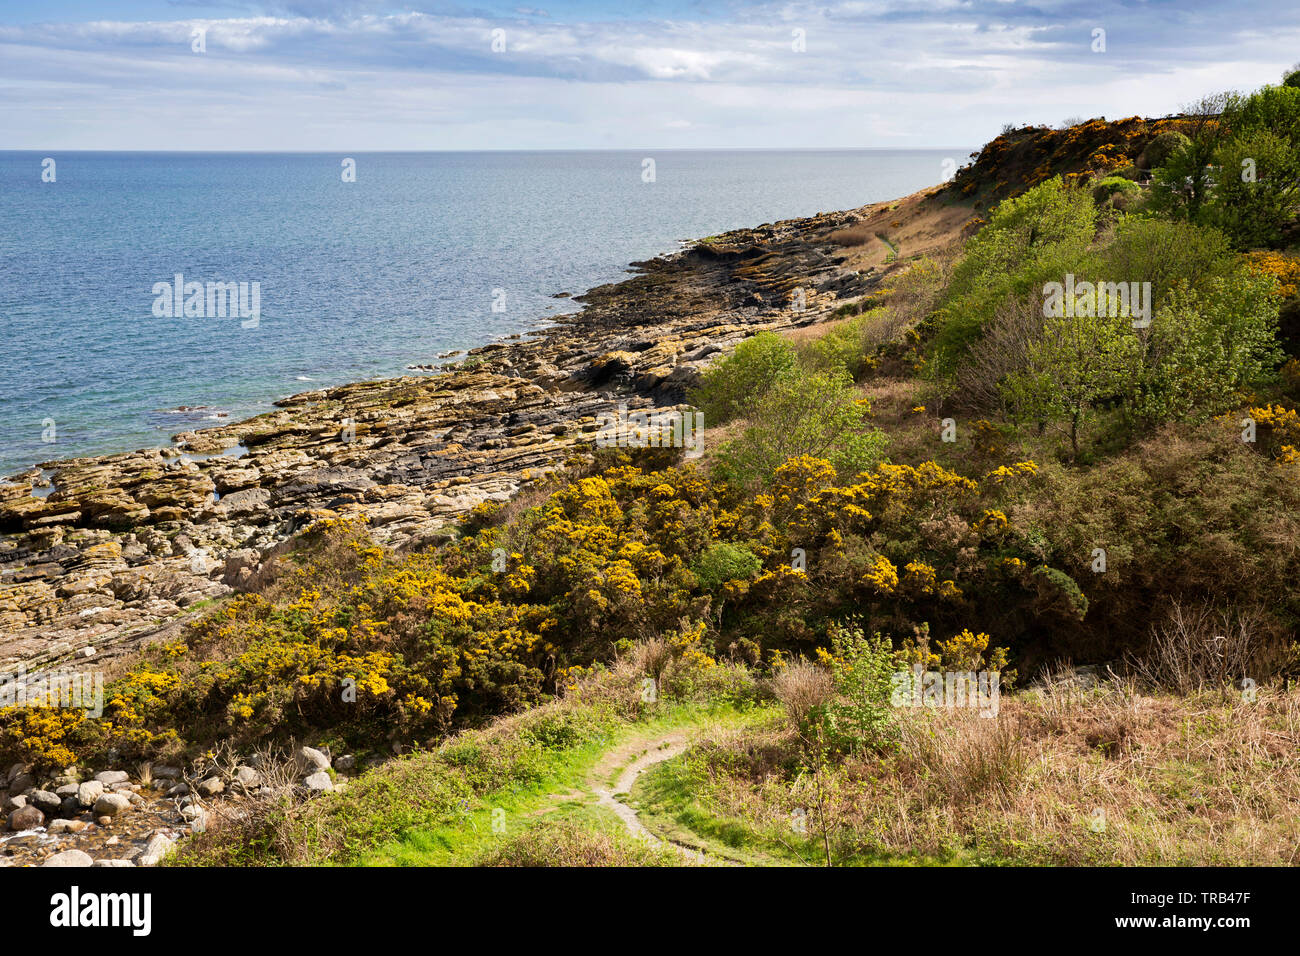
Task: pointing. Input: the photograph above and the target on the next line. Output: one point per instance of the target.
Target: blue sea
(423, 253)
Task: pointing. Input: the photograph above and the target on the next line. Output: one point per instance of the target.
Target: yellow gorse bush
(367, 643)
(1282, 269)
(882, 575)
(1021, 469)
(1284, 421)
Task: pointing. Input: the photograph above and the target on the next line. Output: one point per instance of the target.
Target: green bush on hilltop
(1029, 240)
(1240, 169)
(1260, 188)
(1164, 145)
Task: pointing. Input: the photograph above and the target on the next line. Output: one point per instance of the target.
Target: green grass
(667, 797)
(553, 789)
(673, 801)
(584, 838)
(205, 604)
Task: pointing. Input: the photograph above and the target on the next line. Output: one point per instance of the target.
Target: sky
(367, 75)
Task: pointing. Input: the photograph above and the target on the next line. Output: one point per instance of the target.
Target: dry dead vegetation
(1068, 773)
(921, 224)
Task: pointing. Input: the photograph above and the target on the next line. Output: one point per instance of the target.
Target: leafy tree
(1273, 108)
(732, 387)
(1164, 145)
(1029, 239)
(1164, 252)
(1077, 362)
(1050, 216)
(1259, 188)
(860, 717)
(1182, 185)
(816, 414)
(1206, 346)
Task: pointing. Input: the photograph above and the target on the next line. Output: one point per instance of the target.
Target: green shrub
(1272, 108)
(1207, 346)
(843, 347)
(733, 386)
(1161, 148)
(1059, 592)
(860, 717)
(1105, 188)
(722, 562)
(1259, 188)
(818, 414)
(1190, 513)
(1030, 239)
(1075, 363)
(1165, 253)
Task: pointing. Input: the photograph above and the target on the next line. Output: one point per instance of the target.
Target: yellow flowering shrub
(39, 736)
(1284, 422)
(1281, 268)
(1021, 469)
(919, 577)
(1280, 431)
(882, 576)
(991, 522)
(358, 643)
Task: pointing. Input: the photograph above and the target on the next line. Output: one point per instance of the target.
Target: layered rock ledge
(98, 555)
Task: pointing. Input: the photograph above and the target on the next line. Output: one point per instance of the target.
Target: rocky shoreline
(108, 819)
(99, 555)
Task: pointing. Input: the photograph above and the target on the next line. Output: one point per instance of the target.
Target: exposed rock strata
(124, 544)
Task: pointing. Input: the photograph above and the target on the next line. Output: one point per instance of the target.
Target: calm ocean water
(357, 279)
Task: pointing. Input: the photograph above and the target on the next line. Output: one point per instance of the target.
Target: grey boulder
(25, 818)
(70, 858)
(319, 781)
(111, 804)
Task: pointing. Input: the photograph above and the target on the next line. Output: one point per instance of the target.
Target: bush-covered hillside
(976, 468)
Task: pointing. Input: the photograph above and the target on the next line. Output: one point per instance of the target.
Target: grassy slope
(558, 794)
(1064, 776)
(532, 774)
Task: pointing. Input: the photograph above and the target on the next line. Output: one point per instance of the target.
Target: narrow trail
(635, 757)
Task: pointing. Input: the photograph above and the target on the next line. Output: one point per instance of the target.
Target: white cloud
(875, 72)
